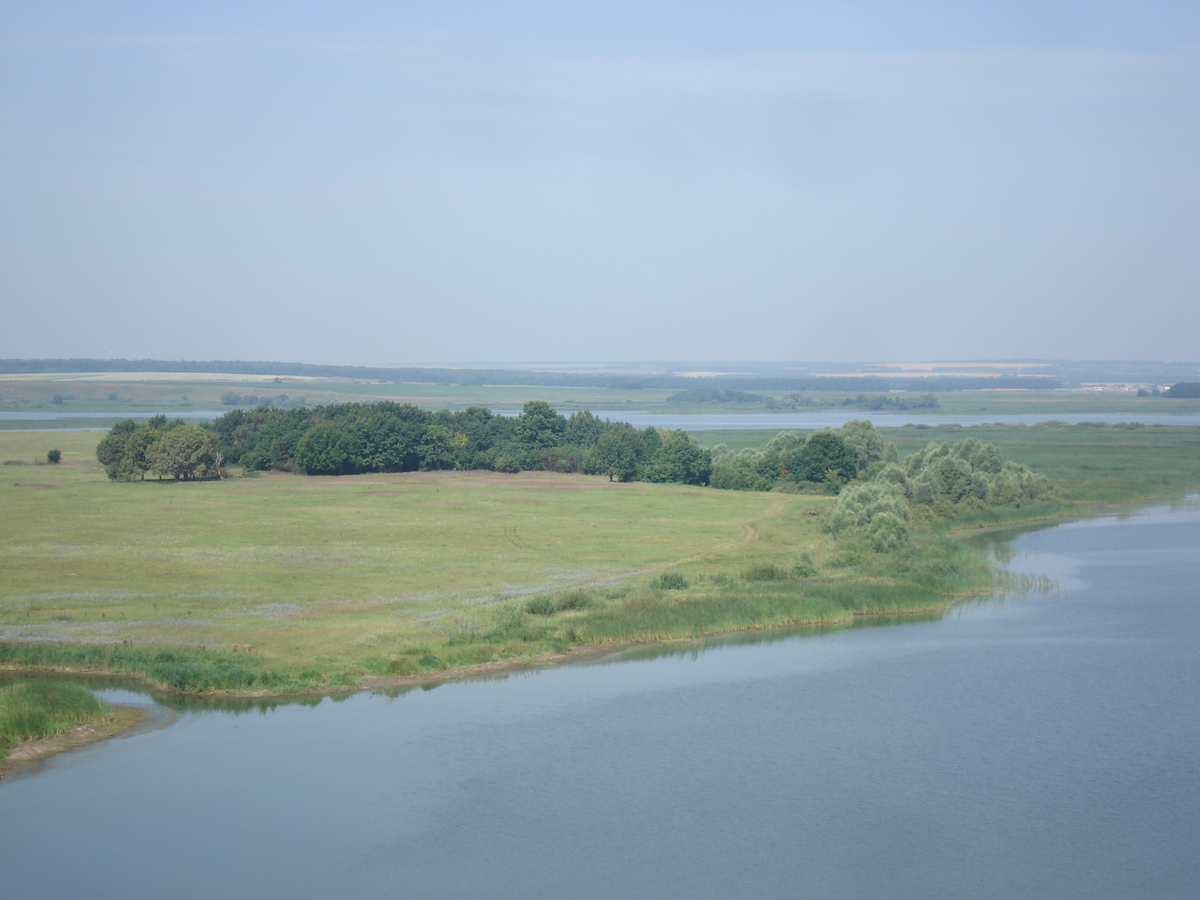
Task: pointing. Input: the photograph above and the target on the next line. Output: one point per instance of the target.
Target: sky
(407, 183)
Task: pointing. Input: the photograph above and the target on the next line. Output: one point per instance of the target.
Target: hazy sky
(391, 183)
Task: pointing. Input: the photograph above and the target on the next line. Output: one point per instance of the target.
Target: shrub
(875, 513)
(764, 572)
(549, 604)
(54, 457)
(670, 581)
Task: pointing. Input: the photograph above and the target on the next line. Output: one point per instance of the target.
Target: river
(1041, 745)
(781, 421)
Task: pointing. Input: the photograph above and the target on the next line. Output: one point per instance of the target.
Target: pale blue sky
(403, 183)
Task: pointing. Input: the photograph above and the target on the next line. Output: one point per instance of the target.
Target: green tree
(437, 448)
(867, 443)
(615, 454)
(185, 452)
(680, 459)
(324, 450)
(54, 457)
(539, 425)
(823, 458)
(111, 448)
(136, 460)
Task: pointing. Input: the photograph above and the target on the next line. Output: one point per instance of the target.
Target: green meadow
(284, 583)
(329, 580)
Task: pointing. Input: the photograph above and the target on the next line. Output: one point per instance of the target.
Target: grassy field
(285, 583)
(342, 577)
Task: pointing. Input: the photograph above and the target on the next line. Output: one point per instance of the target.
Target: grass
(39, 709)
(286, 584)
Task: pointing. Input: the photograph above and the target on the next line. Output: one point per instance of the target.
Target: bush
(670, 581)
(549, 604)
(54, 457)
(764, 572)
(804, 569)
(876, 514)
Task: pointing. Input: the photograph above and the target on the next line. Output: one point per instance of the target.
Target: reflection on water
(1042, 745)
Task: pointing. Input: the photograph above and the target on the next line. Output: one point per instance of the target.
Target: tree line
(351, 438)
(723, 397)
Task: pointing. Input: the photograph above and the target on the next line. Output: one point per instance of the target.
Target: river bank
(722, 606)
(1044, 742)
(121, 719)
(285, 585)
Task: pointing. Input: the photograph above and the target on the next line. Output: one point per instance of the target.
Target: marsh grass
(39, 709)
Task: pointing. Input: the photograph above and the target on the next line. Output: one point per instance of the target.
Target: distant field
(157, 392)
(111, 394)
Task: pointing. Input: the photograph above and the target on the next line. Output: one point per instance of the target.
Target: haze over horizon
(402, 184)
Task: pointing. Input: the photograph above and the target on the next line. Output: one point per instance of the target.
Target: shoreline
(120, 720)
(584, 651)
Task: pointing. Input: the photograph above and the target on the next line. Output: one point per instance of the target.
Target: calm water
(836, 418)
(783, 421)
(1038, 746)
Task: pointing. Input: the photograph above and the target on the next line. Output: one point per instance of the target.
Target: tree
(823, 457)
(1183, 390)
(438, 447)
(136, 460)
(539, 425)
(867, 443)
(615, 454)
(324, 450)
(112, 446)
(54, 457)
(185, 452)
(681, 460)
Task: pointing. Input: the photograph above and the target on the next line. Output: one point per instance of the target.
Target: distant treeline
(1185, 390)
(799, 401)
(446, 376)
(349, 438)
(945, 383)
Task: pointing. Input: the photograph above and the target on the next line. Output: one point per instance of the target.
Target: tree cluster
(162, 448)
(1184, 390)
(945, 383)
(862, 401)
(828, 457)
(348, 438)
(233, 398)
(942, 477)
